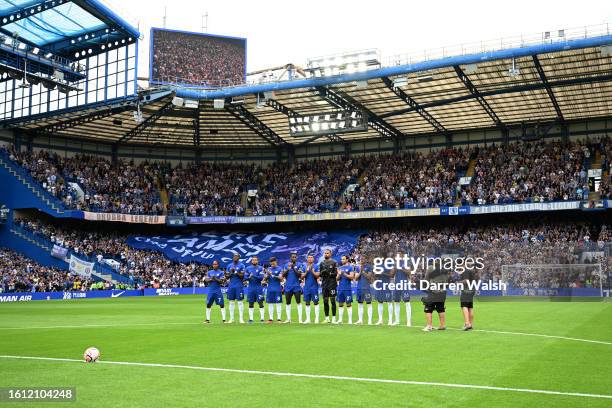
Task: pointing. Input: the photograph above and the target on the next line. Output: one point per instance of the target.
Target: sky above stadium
(279, 32)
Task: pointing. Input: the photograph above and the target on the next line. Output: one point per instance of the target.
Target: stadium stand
(464, 133)
(498, 243)
(516, 173)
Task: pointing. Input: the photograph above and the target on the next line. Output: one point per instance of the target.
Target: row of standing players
(303, 279)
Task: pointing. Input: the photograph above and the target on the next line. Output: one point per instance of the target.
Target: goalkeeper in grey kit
(328, 269)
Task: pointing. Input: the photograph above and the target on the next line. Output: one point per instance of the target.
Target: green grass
(400, 353)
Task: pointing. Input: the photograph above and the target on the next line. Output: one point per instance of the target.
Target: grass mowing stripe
(84, 326)
(320, 376)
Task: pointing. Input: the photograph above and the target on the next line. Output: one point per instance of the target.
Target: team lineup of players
(295, 279)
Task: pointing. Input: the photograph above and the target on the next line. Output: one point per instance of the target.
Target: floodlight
(192, 104)
(400, 82)
(425, 78)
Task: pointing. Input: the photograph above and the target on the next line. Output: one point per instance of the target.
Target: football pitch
(156, 352)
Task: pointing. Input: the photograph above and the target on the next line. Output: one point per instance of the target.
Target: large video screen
(196, 58)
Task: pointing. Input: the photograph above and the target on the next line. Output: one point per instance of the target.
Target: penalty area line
(319, 376)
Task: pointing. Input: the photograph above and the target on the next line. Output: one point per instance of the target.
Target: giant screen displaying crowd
(194, 58)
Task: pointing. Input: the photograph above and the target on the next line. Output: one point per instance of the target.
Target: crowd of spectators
(502, 174)
(410, 180)
(306, 187)
(196, 59)
(20, 274)
(150, 269)
(208, 188)
(521, 244)
(517, 246)
(529, 172)
(121, 188)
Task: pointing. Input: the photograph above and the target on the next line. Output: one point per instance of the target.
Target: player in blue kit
(310, 275)
(364, 277)
(292, 273)
(383, 295)
(254, 275)
(214, 279)
(235, 292)
(274, 277)
(345, 297)
(402, 278)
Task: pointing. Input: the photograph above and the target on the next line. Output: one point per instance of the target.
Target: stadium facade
(79, 94)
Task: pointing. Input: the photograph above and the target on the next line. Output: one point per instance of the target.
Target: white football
(91, 355)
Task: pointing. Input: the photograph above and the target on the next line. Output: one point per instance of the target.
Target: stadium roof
(558, 82)
(63, 26)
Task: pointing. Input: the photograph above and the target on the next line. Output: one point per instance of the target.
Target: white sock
(380, 312)
(261, 313)
(390, 312)
(316, 307)
(251, 310)
(223, 314)
(341, 313)
(349, 313)
(271, 311)
(397, 312)
(232, 306)
(240, 310)
(370, 313)
(288, 312)
(360, 312)
(408, 314)
(307, 312)
(207, 313)
(299, 308)
(278, 311)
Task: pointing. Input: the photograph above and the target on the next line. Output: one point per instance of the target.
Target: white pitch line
(541, 335)
(548, 336)
(328, 377)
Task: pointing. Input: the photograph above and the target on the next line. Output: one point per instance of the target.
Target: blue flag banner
(206, 247)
